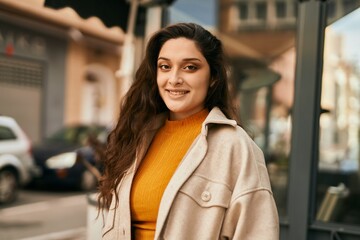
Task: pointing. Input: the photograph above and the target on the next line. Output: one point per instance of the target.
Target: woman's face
(183, 77)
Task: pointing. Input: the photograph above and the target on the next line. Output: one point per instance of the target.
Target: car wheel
(8, 186)
(88, 181)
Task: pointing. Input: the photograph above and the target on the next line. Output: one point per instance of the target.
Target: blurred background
(66, 64)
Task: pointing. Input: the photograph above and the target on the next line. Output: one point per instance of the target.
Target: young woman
(177, 166)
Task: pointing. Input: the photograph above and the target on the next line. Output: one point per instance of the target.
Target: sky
(202, 12)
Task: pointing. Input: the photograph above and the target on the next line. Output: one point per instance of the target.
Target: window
(338, 187)
(243, 10)
(261, 10)
(280, 9)
(6, 134)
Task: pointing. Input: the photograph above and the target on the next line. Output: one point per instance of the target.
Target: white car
(16, 161)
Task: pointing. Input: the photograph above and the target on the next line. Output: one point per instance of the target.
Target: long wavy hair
(143, 102)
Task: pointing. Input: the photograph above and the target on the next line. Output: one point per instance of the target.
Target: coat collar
(190, 162)
(216, 116)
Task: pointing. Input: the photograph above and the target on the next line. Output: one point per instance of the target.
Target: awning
(111, 12)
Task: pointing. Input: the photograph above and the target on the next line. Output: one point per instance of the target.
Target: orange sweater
(156, 169)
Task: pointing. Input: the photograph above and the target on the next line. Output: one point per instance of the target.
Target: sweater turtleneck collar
(194, 120)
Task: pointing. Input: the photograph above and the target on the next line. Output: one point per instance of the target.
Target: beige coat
(220, 190)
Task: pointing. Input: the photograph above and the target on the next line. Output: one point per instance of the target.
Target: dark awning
(111, 12)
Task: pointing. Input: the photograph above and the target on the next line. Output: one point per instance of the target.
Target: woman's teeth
(178, 92)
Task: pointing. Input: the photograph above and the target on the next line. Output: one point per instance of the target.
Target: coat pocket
(207, 193)
(198, 210)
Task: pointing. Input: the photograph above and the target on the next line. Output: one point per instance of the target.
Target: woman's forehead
(180, 48)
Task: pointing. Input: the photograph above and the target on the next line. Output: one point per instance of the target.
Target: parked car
(16, 163)
(61, 157)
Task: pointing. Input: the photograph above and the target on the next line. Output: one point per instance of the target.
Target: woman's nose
(175, 78)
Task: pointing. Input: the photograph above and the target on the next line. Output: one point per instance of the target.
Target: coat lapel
(188, 165)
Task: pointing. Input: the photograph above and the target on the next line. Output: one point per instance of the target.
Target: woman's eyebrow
(191, 59)
(185, 59)
(163, 58)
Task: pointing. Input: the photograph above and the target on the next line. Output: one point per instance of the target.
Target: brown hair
(142, 102)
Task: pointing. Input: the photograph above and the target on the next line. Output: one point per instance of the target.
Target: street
(44, 215)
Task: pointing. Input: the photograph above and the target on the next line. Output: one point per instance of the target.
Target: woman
(177, 166)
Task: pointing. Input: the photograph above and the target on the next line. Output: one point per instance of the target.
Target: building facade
(56, 68)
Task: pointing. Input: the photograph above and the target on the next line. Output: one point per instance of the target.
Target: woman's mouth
(177, 92)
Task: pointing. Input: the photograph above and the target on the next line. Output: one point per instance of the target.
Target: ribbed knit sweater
(166, 151)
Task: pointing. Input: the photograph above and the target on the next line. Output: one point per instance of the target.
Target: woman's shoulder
(234, 134)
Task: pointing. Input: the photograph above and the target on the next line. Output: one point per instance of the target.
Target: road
(41, 215)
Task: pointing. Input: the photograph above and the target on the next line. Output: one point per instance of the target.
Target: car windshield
(75, 134)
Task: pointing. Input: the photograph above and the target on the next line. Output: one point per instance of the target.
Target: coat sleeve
(252, 213)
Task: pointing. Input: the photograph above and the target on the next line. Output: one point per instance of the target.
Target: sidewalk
(73, 234)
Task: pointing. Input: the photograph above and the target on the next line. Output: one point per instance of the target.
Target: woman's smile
(177, 92)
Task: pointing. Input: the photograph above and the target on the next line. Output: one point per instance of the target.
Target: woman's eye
(190, 67)
(164, 67)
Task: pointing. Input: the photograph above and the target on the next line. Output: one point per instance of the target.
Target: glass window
(280, 9)
(338, 181)
(261, 10)
(6, 134)
(243, 11)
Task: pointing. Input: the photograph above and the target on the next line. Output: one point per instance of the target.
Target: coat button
(206, 196)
